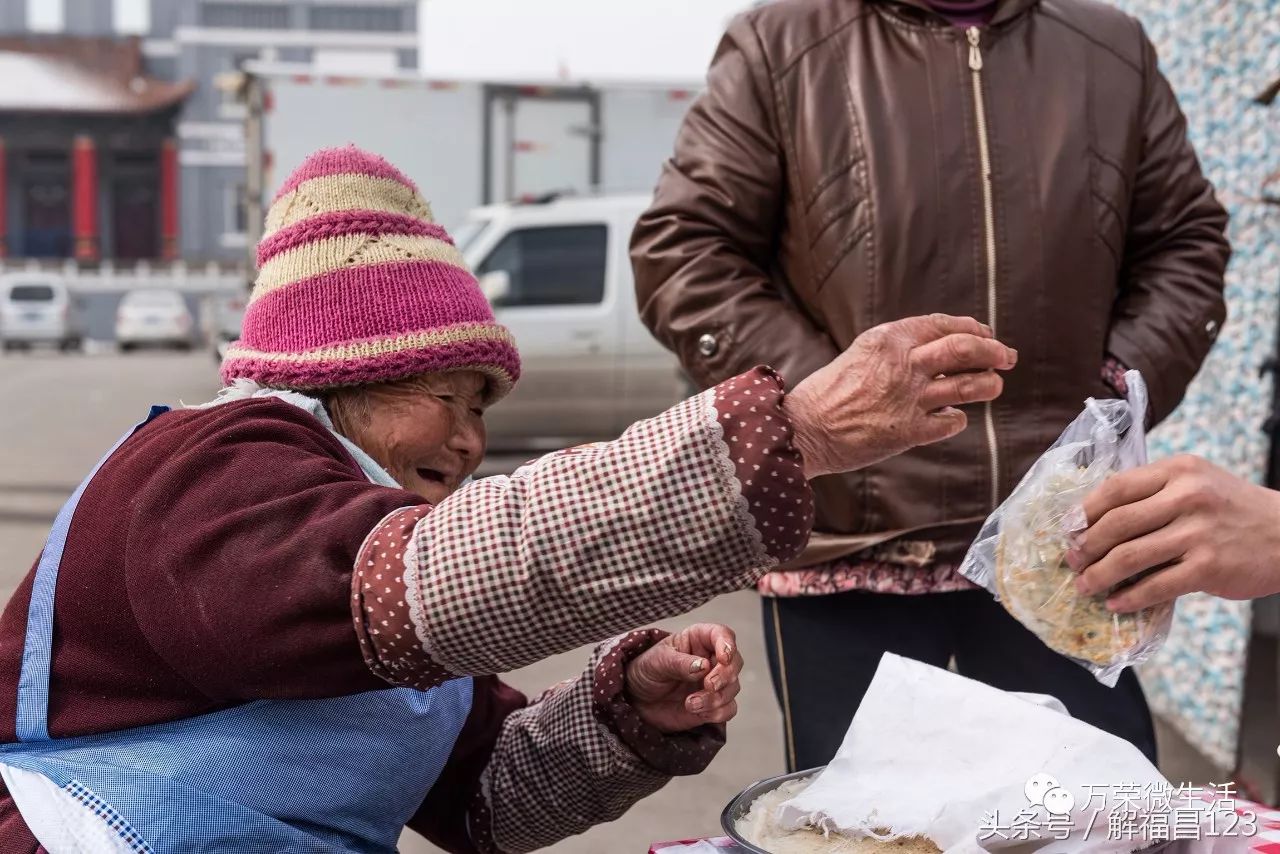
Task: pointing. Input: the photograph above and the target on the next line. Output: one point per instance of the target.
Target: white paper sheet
(932, 753)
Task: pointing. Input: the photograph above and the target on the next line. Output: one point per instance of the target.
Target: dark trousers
(824, 650)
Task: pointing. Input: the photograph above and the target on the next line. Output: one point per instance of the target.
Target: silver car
(39, 309)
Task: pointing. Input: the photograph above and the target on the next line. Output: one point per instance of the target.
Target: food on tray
(1037, 586)
(759, 827)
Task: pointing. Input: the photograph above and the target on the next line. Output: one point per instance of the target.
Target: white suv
(38, 309)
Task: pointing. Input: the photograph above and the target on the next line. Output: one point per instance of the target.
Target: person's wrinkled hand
(687, 679)
(896, 387)
(1200, 528)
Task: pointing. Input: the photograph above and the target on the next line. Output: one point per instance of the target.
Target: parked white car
(559, 278)
(38, 308)
(154, 317)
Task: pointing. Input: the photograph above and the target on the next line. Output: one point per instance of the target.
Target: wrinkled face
(427, 432)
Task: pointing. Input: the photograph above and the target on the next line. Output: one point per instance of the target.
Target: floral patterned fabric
(871, 576)
(1219, 56)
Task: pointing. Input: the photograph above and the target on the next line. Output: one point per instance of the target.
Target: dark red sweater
(149, 624)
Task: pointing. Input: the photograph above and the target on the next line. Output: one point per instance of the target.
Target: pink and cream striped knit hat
(356, 284)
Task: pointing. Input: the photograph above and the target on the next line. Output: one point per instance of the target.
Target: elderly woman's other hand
(688, 679)
(1206, 529)
(896, 387)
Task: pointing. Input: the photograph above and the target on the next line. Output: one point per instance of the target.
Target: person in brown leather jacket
(855, 161)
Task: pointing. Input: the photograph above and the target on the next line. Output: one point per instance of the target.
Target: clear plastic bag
(1020, 554)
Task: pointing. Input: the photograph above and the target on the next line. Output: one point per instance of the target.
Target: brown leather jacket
(830, 178)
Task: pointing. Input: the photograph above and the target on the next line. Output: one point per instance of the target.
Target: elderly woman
(272, 623)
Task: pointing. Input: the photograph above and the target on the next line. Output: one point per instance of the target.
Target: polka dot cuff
(677, 754)
(380, 609)
(578, 756)
(769, 469)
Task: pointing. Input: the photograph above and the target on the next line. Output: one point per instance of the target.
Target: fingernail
(728, 650)
(1082, 586)
(1075, 560)
(697, 666)
(1115, 604)
(695, 703)
(716, 684)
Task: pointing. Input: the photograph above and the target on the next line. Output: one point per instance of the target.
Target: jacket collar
(1005, 11)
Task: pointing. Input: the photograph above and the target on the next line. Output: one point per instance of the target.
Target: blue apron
(341, 774)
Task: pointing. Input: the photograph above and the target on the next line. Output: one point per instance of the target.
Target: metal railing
(108, 276)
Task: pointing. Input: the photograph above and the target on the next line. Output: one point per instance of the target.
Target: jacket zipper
(989, 225)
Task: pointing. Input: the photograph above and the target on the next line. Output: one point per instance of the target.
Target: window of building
(131, 17)
(355, 61)
(144, 160)
(558, 265)
(46, 159)
(44, 179)
(46, 16)
(381, 19)
(237, 210)
(250, 16)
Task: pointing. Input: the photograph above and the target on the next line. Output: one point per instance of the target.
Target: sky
(654, 41)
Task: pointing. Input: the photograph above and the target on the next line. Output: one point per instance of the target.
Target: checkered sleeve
(578, 756)
(588, 543)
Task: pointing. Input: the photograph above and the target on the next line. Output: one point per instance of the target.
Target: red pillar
(169, 199)
(84, 195)
(4, 201)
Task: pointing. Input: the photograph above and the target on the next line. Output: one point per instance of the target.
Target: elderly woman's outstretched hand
(896, 387)
(687, 679)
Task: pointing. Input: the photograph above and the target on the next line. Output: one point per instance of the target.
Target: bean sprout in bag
(1020, 554)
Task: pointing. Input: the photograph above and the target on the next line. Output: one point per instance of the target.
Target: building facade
(196, 41)
(88, 151)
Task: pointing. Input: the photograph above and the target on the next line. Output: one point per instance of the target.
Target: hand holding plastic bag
(1020, 554)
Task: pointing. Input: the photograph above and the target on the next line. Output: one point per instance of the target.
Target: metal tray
(739, 806)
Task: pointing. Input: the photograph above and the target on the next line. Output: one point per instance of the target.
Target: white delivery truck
(540, 187)
(466, 143)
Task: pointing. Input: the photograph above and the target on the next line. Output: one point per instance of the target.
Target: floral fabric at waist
(904, 567)
(843, 575)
